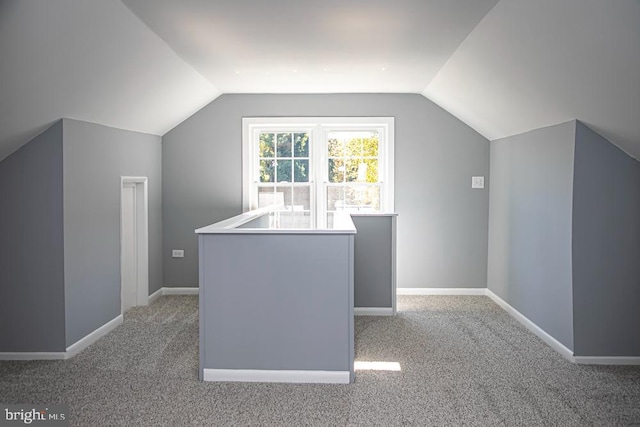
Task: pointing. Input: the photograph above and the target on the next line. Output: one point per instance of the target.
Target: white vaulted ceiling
(530, 64)
(315, 45)
(92, 61)
(503, 67)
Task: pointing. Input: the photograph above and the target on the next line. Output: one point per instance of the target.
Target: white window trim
(318, 128)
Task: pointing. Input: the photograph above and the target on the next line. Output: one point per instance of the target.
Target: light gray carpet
(464, 361)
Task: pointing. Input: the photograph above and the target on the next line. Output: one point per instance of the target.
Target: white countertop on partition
(342, 225)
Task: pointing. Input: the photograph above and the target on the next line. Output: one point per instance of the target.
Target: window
(311, 168)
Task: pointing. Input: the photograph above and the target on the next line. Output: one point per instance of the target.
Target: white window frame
(318, 129)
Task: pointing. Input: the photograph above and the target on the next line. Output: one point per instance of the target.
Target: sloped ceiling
(93, 61)
(314, 46)
(503, 67)
(531, 64)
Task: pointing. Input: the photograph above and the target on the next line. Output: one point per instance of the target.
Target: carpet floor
(464, 361)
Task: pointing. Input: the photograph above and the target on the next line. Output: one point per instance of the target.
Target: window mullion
(318, 131)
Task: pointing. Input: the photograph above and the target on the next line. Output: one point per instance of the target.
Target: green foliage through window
(353, 159)
(284, 157)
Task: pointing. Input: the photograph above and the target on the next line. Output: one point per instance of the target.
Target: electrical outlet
(477, 182)
(177, 253)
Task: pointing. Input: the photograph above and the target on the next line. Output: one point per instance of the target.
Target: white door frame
(142, 238)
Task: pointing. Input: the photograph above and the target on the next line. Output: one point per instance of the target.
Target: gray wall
(442, 224)
(373, 261)
(269, 301)
(95, 157)
(606, 248)
(31, 247)
(529, 263)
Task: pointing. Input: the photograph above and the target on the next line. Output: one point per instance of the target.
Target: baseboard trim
(606, 360)
(172, 291)
(72, 350)
(441, 291)
(35, 355)
(539, 332)
(276, 376)
(94, 336)
(373, 311)
(154, 296)
(180, 291)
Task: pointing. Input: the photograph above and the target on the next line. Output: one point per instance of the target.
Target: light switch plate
(477, 182)
(177, 253)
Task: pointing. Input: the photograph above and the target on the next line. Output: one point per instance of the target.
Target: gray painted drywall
(606, 248)
(442, 238)
(31, 247)
(95, 157)
(373, 261)
(529, 263)
(269, 301)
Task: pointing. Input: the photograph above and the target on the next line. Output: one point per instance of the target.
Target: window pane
(335, 147)
(268, 197)
(353, 198)
(294, 219)
(335, 198)
(301, 144)
(286, 195)
(266, 145)
(284, 170)
(301, 170)
(370, 145)
(353, 147)
(366, 197)
(302, 198)
(353, 143)
(368, 170)
(279, 196)
(351, 170)
(336, 170)
(284, 145)
(267, 170)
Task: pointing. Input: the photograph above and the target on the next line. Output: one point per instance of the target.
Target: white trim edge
(280, 376)
(72, 350)
(180, 291)
(35, 355)
(373, 311)
(94, 336)
(154, 296)
(441, 291)
(539, 332)
(172, 291)
(607, 360)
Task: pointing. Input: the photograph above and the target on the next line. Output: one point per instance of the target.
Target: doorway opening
(134, 243)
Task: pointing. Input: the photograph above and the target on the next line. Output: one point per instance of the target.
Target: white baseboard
(373, 311)
(539, 332)
(441, 291)
(35, 355)
(605, 360)
(154, 296)
(72, 350)
(276, 376)
(180, 291)
(172, 291)
(94, 336)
